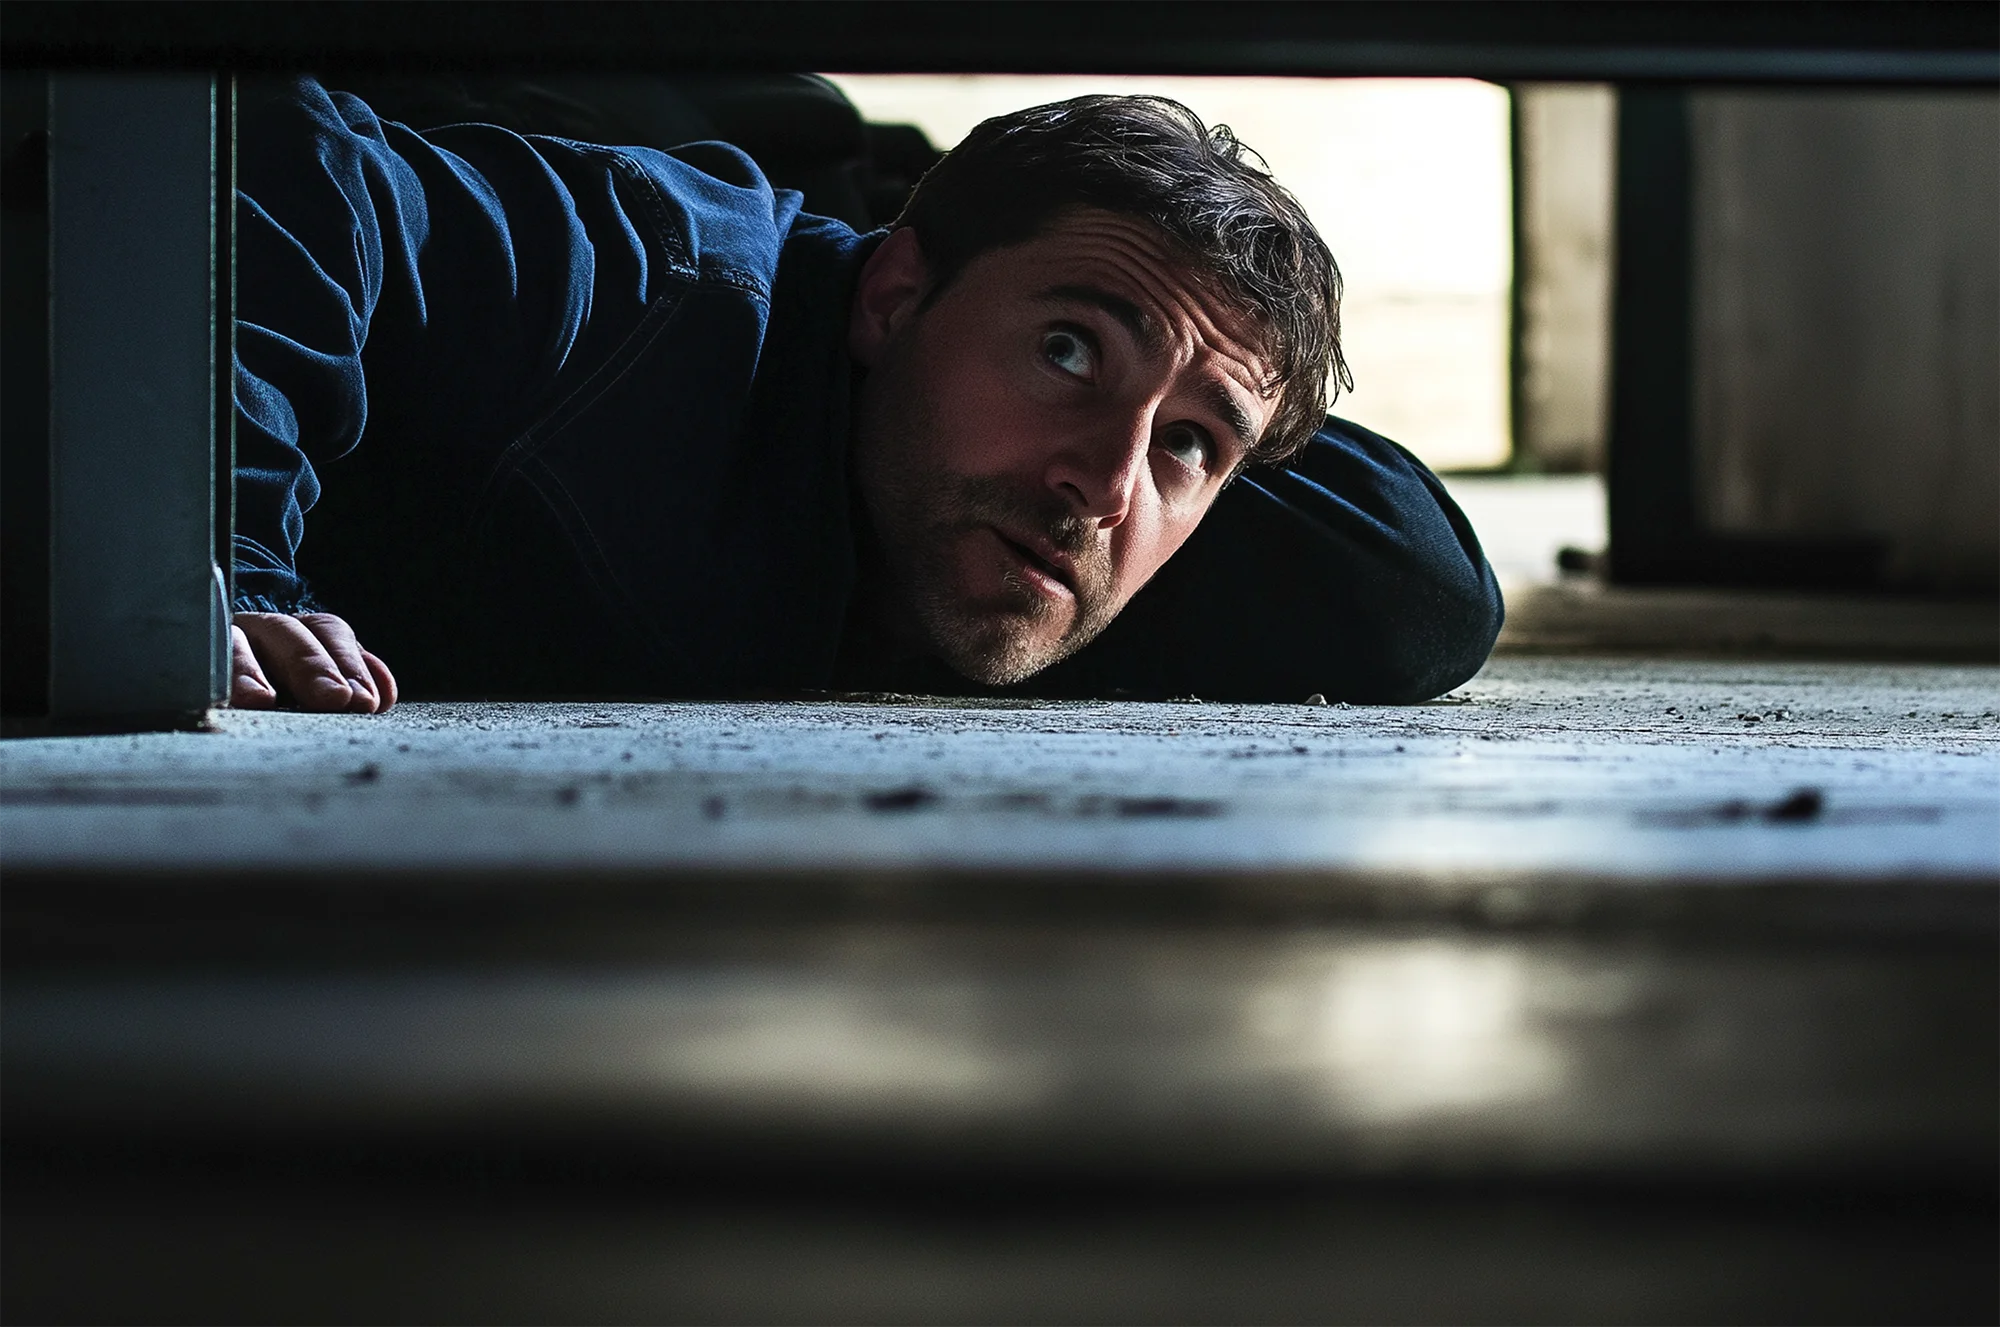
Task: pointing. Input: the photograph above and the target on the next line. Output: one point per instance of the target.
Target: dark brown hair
(1152, 158)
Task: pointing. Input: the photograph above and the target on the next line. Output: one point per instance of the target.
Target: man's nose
(1098, 472)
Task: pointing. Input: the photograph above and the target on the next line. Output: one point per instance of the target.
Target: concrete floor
(1641, 771)
(1599, 990)
(1524, 521)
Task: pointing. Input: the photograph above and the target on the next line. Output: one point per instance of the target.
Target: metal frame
(138, 625)
(1753, 40)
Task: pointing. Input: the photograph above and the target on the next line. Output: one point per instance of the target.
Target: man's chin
(997, 663)
(996, 651)
(990, 672)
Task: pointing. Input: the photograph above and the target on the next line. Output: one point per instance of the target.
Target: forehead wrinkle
(1136, 252)
(1139, 253)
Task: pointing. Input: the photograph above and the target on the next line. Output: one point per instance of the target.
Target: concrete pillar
(1846, 323)
(1564, 153)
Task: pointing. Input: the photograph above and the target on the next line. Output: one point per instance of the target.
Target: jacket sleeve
(347, 312)
(1350, 572)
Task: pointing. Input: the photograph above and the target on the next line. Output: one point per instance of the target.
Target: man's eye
(1070, 353)
(1191, 445)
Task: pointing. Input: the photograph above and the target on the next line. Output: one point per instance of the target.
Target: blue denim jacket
(572, 419)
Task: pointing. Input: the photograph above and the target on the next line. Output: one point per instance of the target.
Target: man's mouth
(1043, 563)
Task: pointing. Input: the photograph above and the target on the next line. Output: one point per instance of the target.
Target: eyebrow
(1234, 417)
(1143, 327)
(1146, 331)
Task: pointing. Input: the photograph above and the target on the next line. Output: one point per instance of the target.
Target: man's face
(1032, 444)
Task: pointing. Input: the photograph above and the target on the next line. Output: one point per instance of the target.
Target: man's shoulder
(706, 210)
(709, 201)
(719, 214)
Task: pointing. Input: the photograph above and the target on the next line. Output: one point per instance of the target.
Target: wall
(1846, 317)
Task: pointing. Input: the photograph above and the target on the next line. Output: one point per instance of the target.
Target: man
(602, 421)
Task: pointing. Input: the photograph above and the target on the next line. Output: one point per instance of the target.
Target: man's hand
(315, 662)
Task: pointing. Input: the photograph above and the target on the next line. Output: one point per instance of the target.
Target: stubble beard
(1003, 642)
(921, 512)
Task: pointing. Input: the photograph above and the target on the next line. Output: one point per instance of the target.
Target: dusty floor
(1689, 1111)
(1606, 767)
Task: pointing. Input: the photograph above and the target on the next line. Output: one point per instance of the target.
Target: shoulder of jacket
(710, 207)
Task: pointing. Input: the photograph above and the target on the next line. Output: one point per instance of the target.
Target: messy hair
(1213, 198)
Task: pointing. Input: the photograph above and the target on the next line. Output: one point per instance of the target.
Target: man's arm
(1349, 572)
(315, 251)
(375, 272)
(452, 306)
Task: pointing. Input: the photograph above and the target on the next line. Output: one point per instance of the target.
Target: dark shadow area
(369, 1240)
(24, 398)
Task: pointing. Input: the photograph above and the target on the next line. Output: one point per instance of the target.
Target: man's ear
(888, 293)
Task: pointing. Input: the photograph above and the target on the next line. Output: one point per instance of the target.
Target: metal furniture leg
(138, 625)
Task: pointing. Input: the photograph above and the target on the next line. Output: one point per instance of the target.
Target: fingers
(297, 662)
(249, 689)
(385, 681)
(337, 639)
(314, 661)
